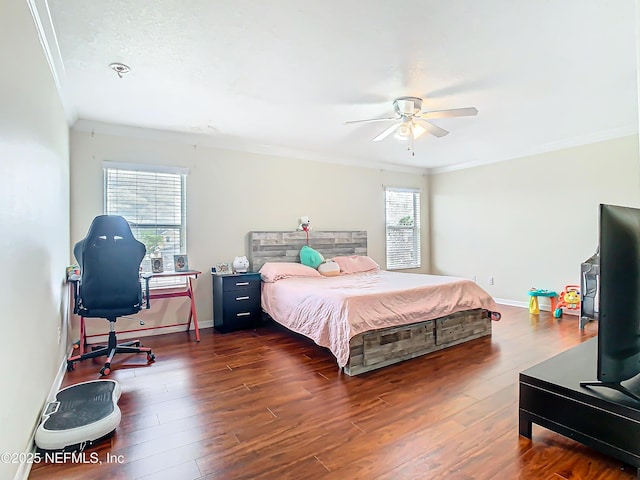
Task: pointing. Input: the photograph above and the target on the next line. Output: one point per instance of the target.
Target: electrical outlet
(491, 280)
(59, 335)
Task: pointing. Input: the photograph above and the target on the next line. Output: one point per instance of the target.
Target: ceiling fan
(411, 121)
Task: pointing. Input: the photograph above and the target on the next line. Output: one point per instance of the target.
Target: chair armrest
(146, 277)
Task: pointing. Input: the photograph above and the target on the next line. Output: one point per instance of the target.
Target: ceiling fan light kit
(411, 121)
(404, 130)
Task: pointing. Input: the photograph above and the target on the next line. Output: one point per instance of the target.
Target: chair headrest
(105, 230)
(109, 226)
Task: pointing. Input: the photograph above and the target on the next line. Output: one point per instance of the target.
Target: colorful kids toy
(569, 298)
(534, 293)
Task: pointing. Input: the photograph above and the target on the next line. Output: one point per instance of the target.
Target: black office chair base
(110, 351)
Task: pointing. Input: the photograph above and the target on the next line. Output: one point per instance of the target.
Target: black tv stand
(552, 396)
(614, 385)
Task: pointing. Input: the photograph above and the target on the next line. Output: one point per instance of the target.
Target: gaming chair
(109, 285)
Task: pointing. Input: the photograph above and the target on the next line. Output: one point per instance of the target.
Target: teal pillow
(310, 257)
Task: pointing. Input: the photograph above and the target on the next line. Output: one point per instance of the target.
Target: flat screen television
(619, 299)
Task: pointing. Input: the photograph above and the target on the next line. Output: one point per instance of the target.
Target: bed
(371, 318)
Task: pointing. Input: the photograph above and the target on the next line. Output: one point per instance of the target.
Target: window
(402, 215)
(152, 199)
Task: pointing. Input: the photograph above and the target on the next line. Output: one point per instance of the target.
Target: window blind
(153, 202)
(402, 217)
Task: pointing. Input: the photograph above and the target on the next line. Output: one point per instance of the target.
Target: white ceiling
(282, 77)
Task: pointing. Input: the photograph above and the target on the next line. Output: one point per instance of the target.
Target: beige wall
(230, 194)
(529, 222)
(34, 223)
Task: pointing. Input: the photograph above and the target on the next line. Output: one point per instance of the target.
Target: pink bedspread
(332, 310)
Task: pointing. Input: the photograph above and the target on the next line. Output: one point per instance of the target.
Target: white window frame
(135, 223)
(403, 239)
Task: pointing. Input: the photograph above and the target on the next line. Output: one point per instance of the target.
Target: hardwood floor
(267, 404)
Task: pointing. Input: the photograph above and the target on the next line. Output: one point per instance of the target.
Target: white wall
(230, 194)
(529, 222)
(34, 223)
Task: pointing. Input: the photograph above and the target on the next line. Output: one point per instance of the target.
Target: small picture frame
(223, 268)
(180, 263)
(156, 265)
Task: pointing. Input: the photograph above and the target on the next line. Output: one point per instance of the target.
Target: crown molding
(233, 144)
(595, 137)
(44, 26)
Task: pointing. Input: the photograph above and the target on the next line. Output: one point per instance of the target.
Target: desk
(158, 294)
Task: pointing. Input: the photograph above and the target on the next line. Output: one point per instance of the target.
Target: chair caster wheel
(71, 366)
(151, 357)
(104, 371)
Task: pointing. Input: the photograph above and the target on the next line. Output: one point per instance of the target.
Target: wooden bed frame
(377, 348)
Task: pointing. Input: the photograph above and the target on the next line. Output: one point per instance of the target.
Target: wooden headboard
(285, 246)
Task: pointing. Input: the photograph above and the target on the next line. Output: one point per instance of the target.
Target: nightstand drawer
(241, 282)
(248, 317)
(241, 300)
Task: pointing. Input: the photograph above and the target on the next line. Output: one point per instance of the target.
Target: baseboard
(511, 303)
(25, 467)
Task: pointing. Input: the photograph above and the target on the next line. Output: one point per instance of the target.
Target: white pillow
(329, 269)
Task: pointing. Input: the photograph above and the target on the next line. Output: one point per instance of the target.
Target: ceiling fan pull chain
(411, 141)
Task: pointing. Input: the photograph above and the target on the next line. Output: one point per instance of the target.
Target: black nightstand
(236, 301)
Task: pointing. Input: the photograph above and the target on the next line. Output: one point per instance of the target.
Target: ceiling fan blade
(452, 112)
(432, 129)
(372, 120)
(386, 133)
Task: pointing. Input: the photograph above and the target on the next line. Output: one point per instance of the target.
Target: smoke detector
(120, 68)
